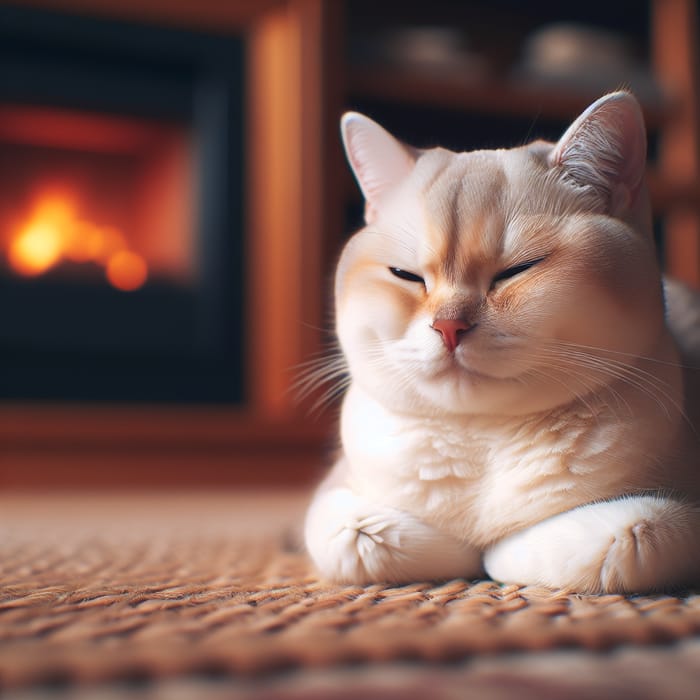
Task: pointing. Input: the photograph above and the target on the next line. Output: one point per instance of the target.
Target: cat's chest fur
(481, 477)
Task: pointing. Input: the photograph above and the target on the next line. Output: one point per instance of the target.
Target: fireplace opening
(91, 197)
(121, 252)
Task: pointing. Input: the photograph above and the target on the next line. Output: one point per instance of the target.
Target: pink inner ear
(605, 147)
(378, 160)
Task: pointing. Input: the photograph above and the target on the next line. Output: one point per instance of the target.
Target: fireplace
(121, 252)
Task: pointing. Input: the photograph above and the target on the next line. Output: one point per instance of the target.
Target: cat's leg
(632, 544)
(354, 541)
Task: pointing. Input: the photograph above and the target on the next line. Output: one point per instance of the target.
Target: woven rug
(133, 589)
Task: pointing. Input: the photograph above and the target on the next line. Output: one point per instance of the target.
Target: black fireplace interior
(121, 251)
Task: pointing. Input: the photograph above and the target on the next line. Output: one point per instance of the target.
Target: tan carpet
(120, 589)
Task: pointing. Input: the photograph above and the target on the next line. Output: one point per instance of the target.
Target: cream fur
(552, 444)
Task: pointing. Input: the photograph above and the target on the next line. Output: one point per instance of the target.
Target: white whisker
(329, 369)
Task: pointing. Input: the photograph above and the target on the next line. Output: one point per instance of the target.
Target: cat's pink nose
(451, 329)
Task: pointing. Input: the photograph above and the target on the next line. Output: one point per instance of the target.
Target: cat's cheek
(598, 319)
(367, 328)
(553, 307)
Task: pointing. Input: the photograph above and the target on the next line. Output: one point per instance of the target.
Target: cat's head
(499, 281)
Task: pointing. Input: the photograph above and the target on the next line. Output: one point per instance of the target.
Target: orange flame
(127, 271)
(38, 244)
(53, 232)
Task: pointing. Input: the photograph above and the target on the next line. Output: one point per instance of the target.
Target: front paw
(347, 541)
(372, 533)
(354, 541)
(629, 545)
(657, 548)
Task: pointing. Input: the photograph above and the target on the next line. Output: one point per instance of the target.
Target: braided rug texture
(99, 589)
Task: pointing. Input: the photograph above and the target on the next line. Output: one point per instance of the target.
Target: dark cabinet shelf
(492, 97)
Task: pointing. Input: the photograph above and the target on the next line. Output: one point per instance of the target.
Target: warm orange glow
(90, 243)
(85, 243)
(127, 271)
(90, 184)
(36, 249)
(38, 244)
(53, 231)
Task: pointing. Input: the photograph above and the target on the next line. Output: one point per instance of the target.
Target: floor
(210, 596)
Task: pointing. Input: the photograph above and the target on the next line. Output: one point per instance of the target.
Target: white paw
(628, 545)
(658, 550)
(373, 531)
(347, 541)
(354, 541)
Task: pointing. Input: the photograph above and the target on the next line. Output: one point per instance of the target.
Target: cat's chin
(463, 391)
(468, 366)
(460, 371)
(455, 386)
(474, 396)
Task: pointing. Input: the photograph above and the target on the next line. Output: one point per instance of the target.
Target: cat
(515, 404)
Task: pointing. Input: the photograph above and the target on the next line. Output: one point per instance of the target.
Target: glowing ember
(36, 249)
(53, 232)
(38, 245)
(127, 271)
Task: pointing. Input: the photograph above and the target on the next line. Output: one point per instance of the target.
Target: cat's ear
(604, 150)
(378, 160)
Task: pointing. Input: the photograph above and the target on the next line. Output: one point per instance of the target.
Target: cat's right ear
(604, 150)
(378, 160)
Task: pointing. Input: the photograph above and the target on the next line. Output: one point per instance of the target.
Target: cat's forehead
(460, 183)
(466, 201)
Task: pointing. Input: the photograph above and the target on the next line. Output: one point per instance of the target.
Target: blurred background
(173, 197)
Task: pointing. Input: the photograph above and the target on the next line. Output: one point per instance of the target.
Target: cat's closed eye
(406, 275)
(513, 271)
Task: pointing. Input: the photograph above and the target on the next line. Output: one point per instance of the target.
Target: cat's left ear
(605, 150)
(378, 160)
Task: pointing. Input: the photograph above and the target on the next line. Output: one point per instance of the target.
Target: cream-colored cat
(516, 402)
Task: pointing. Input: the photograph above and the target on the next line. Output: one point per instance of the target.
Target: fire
(38, 245)
(54, 231)
(126, 270)
(36, 249)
